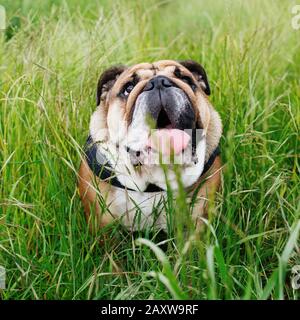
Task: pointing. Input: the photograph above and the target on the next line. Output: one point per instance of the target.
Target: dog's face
(163, 95)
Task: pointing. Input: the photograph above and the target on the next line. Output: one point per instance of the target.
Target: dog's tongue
(168, 140)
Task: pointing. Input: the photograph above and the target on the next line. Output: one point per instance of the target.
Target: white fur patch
(136, 209)
(98, 129)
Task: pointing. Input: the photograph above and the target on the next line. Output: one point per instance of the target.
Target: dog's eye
(185, 79)
(128, 88)
(189, 81)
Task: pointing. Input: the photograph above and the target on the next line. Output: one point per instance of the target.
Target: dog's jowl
(150, 119)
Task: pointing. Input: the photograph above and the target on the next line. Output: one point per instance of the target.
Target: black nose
(159, 82)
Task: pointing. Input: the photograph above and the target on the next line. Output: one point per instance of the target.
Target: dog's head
(133, 100)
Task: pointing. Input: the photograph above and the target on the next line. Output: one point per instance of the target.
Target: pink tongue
(168, 140)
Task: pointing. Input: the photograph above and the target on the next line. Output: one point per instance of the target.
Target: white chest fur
(139, 210)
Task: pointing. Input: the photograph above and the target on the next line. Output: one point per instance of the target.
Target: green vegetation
(50, 58)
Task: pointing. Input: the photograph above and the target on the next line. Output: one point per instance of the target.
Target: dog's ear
(199, 73)
(107, 80)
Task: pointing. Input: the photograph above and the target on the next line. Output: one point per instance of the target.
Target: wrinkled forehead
(148, 70)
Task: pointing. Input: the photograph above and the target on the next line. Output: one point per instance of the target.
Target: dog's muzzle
(174, 121)
(168, 105)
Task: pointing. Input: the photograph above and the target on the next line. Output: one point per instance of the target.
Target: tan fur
(211, 183)
(89, 187)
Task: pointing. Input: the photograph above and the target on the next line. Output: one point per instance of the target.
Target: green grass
(50, 59)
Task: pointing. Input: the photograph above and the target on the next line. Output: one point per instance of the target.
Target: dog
(142, 111)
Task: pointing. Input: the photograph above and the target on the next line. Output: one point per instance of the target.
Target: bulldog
(152, 121)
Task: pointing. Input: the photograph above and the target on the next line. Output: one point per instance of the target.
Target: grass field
(51, 55)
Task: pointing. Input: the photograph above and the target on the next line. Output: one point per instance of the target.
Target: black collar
(104, 170)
